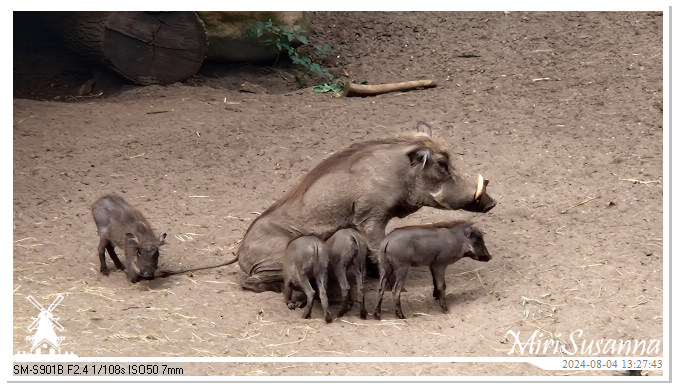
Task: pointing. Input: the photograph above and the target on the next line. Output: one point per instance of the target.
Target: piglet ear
(132, 238)
(161, 239)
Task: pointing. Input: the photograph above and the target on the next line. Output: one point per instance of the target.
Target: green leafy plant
(283, 38)
(336, 87)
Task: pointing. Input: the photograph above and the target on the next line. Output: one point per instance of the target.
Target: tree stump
(145, 47)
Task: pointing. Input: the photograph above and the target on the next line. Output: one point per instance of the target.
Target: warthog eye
(443, 164)
(138, 252)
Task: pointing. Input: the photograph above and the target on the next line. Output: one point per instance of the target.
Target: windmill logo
(45, 339)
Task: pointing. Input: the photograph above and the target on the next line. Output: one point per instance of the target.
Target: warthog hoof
(296, 304)
(343, 310)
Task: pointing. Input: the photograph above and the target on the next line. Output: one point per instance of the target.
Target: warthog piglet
(119, 224)
(306, 259)
(435, 245)
(348, 252)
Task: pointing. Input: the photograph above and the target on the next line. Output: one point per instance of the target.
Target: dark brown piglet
(348, 252)
(306, 259)
(435, 245)
(121, 225)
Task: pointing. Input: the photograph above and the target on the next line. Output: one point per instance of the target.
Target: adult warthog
(360, 187)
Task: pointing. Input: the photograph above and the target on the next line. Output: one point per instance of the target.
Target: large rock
(225, 34)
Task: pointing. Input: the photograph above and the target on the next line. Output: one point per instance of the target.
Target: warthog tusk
(437, 195)
(479, 188)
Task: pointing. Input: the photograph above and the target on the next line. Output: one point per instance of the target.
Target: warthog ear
(142, 227)
(161, 239)
(130, 237)
(419, 157)
(468, 231)
(424, 128)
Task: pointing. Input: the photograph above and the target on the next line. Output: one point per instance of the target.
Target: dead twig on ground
(590, 198)
(306, 331)
(635, 181)
(642, 300)
(584, 300)
(351, 89)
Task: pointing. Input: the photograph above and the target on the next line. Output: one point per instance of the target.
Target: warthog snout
(477, 246)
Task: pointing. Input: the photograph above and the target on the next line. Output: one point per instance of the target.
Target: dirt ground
(561, 111)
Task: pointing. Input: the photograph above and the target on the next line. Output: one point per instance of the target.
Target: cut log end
(145, 47)
(155, 48)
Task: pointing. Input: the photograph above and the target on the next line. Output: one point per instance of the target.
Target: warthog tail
(167, 273)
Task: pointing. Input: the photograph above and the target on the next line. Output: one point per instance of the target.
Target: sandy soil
(562, 112)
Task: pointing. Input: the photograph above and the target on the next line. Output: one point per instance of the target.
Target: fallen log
(351, 89)
(145, 47)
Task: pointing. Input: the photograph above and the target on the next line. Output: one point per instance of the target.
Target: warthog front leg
(107, 246)
(101, 250)
(114, 257)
